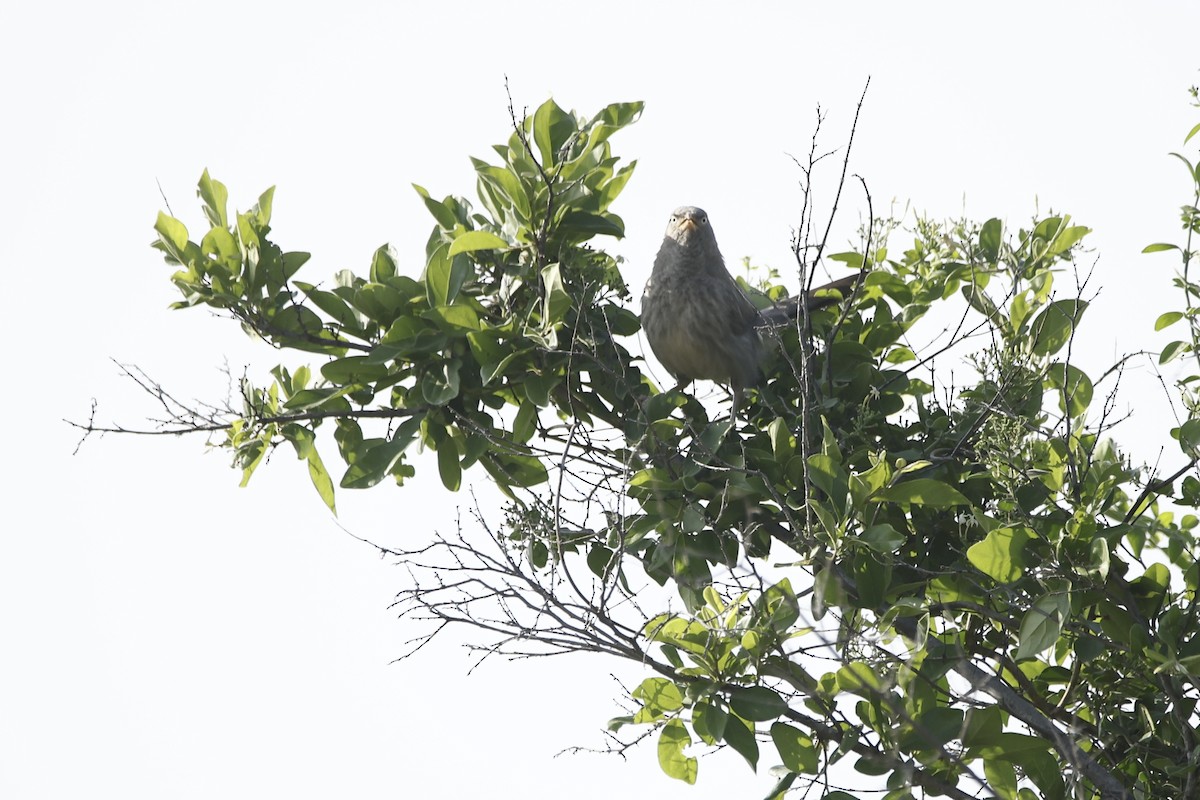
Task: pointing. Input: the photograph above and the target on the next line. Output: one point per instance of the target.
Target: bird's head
(689, 225)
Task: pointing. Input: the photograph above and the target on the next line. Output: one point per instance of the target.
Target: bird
(699, 322)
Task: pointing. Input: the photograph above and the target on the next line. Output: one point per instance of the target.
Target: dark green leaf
(439, 383)
(757, 703)
(1052, 329)
(739, 735)
(448, 465)
(709, 722)
(352, 369)
(375, 461)
(514, 470)
(989, 239)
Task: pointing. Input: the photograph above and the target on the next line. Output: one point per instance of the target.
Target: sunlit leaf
(1000, 555)
(671, 743)
(923, 491)
(796, 748)
(477, 240)
(1043, 624)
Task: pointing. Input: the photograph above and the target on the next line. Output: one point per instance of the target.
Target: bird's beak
(687, 223)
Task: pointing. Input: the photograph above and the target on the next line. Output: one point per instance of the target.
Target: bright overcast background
(164, 634)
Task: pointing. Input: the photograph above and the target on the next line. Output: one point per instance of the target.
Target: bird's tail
(788, 310)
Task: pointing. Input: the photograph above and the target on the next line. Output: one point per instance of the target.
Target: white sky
(166, 634)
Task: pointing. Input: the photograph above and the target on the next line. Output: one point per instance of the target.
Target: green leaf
(796, 748)
(1044, 770)
(299, 326)
(989, 239)
(1000, 555)
(1043, 624)
(671, 743)
(320, 479)
(383, 264)
(826, 474)
(509, 185)
(1053, 327)
(757, 703)
(353, 369)
(449, 467)
(333, 305)
(1151, 588)
(173, 234)
(586, 225)
(659, 696)
(783, 444)
(1159, 247)
(1191, 133)
(477, 240)
(445, 275)
(551, 128)
(690, 636)
(375, 459)
(778, 607)
(443, 215)
(1189, 436)
(1173, 351)
(514, 470)
(216, 200)
(620, 321)
(459, 317)
(557, 301)
(740, 736)
(1168, 319)
(1067, 238)
(219, 242)
(932, 728)
(261, 211)
(439, 383)
(1074, 387)
(709, 722)
(1001, 778)
(923, 492)
(984, 727)
(858, 678)
(882, 538)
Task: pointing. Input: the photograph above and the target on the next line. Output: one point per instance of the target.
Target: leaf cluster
(957, 583)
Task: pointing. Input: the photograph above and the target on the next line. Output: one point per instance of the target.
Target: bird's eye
(703, 220)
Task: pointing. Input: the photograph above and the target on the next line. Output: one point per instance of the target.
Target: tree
(965, 589)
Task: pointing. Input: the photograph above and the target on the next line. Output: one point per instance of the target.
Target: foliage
(967, 589)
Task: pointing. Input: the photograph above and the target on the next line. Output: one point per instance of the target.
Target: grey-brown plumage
(699, 323)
